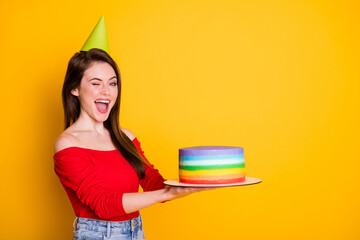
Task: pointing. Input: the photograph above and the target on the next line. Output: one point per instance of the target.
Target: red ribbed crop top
(96, 180)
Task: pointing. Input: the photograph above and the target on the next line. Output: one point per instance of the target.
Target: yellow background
(279, 78)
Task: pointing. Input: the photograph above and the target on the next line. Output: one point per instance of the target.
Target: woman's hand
(171, 193)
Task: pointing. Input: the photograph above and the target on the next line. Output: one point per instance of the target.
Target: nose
(105, 90)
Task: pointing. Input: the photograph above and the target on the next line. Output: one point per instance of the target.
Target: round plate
(248, 181)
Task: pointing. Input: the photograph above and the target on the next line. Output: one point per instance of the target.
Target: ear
(75, 92)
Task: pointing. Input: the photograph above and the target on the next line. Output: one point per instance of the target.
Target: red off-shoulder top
(96, 180)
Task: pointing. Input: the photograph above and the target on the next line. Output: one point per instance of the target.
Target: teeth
(102, 101)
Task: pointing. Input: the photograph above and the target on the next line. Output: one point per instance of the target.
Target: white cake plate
(248, 181)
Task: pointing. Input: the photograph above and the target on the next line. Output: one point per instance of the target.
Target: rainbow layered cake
(211, 165)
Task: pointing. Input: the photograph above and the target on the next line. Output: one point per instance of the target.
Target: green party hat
(97, 38)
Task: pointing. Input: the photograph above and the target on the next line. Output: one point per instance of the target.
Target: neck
(86, 123)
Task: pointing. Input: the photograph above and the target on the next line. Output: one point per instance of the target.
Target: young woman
(99, 164)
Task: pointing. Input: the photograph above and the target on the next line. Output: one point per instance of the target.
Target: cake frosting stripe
(202, 177)
(212, 172)
(206, 157)
(209, 167)
(213, 162)
(210, 151)
(221, 181)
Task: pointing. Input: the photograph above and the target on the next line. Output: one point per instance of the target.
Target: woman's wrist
(163, 195)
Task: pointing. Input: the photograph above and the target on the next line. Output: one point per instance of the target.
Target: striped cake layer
(211, 165)
(212, 181)
(214, 176)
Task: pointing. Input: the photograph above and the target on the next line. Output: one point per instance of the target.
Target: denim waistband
(107, 227)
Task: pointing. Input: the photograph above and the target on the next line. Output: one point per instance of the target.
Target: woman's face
(98, 91)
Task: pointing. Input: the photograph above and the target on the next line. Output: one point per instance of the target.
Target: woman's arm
(133, 202)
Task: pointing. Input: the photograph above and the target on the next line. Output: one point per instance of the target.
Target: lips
(102, 105)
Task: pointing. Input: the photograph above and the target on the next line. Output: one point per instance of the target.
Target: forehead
(100, 70)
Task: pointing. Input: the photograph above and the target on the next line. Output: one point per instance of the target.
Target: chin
(102, 119)
(99, 117)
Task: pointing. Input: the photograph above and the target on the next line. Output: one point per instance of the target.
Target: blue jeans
(92, 229)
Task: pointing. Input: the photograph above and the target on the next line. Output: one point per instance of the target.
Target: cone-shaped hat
(97, 38)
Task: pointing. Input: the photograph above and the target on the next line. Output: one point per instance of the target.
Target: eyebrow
(101, 79)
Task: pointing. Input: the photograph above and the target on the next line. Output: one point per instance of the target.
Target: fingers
(172, 192)
(190, 189)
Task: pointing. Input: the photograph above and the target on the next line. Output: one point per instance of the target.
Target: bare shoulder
(129, 133)
(65, 140)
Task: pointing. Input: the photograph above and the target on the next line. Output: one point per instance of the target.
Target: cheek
(87, 95)
(91, 92)
(115, 93)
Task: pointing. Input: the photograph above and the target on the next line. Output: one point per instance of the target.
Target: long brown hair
(75, 71)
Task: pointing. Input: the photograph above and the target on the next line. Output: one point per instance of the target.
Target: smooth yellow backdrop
(279, 78)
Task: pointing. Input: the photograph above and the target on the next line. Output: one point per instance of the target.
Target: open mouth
(102, 105)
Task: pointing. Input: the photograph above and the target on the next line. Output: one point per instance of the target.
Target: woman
(99, 164)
